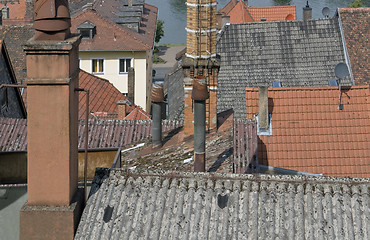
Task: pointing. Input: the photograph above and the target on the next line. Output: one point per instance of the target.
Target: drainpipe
(157, 100)
(200, 95)
(307, 12)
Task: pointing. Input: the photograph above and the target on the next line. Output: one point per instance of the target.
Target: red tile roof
(228, 7)
(137, 114)
(103, 96)
(356, 25)
(109, 35)
(310, 134)
(20, 12)
(241, 13)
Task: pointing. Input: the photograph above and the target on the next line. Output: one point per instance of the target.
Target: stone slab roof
(178, 205)
(356, 25)
(310, 134)
(296, 53)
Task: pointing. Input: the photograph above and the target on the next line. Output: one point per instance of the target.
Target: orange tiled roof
(228, 7)
(20, 12)
(103, 96)
(310, 134)
(241, 13)
(137, 114)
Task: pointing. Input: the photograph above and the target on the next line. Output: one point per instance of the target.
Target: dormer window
(87, 30)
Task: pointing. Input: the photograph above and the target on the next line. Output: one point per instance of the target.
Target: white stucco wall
(111, 71)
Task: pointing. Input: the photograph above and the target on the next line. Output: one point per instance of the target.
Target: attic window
(87, 30)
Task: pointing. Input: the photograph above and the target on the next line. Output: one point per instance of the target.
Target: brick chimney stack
(201, 59)
(54, 204)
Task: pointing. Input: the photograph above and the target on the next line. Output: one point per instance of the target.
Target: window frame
(92, 66)
(119, 64)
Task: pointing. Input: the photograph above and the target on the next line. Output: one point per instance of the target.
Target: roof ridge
(310, 88)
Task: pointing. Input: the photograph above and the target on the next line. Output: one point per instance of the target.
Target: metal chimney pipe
(307, 12)
(200, 95)
(157, 100)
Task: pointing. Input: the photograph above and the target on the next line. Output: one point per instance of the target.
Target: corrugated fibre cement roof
(175, 205)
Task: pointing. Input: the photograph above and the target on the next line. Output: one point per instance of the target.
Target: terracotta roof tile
(311, 133)
(356, 25)
(241, 13)
(103, 95)
(20, 12)
(228, 7)
(109, 35)
(137, 114)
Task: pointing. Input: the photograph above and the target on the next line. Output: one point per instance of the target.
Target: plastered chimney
(263, 108)
(54, 204)
(307, 12)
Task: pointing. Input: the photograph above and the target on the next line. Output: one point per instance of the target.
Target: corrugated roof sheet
(102, 133)
(356, 25)
(296, 53)
(310, 134)
(175, 205)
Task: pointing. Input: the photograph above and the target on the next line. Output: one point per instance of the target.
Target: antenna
(341, 71)
(325, 11)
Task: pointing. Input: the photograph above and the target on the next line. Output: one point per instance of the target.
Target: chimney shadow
(262, 153)
(223, 116)
(220, 159)
(171, 134)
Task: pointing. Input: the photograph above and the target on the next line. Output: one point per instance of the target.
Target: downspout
(346, 56)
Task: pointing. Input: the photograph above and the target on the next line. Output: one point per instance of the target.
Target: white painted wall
(143, 71)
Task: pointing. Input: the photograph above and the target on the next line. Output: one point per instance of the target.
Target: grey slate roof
(175, 97)
(172, 205)
(296, 53)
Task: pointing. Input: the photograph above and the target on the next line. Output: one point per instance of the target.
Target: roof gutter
(283, 171)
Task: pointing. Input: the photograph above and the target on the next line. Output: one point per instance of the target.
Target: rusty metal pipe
(199, 136)
(157, 100)
(200, 95)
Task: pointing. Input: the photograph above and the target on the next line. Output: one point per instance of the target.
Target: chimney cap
(123, 102)
(200, 89)
(157, 93)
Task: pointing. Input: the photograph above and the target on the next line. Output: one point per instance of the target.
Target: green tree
(356, 4)
(159, 31)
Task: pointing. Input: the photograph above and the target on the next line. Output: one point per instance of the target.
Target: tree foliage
(356, 4)
(159, 31)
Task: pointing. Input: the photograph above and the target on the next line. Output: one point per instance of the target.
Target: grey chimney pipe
(199, 95)
(307, 12)
(263, 108)
(157, 99)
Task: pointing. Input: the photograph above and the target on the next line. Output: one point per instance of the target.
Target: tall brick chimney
(201, 59)
(54, 204)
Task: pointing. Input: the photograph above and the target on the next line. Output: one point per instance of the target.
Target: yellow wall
(141, 64)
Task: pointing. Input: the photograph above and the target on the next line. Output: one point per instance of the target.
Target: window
(125, 64)
(98, 65)
(87, 30)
